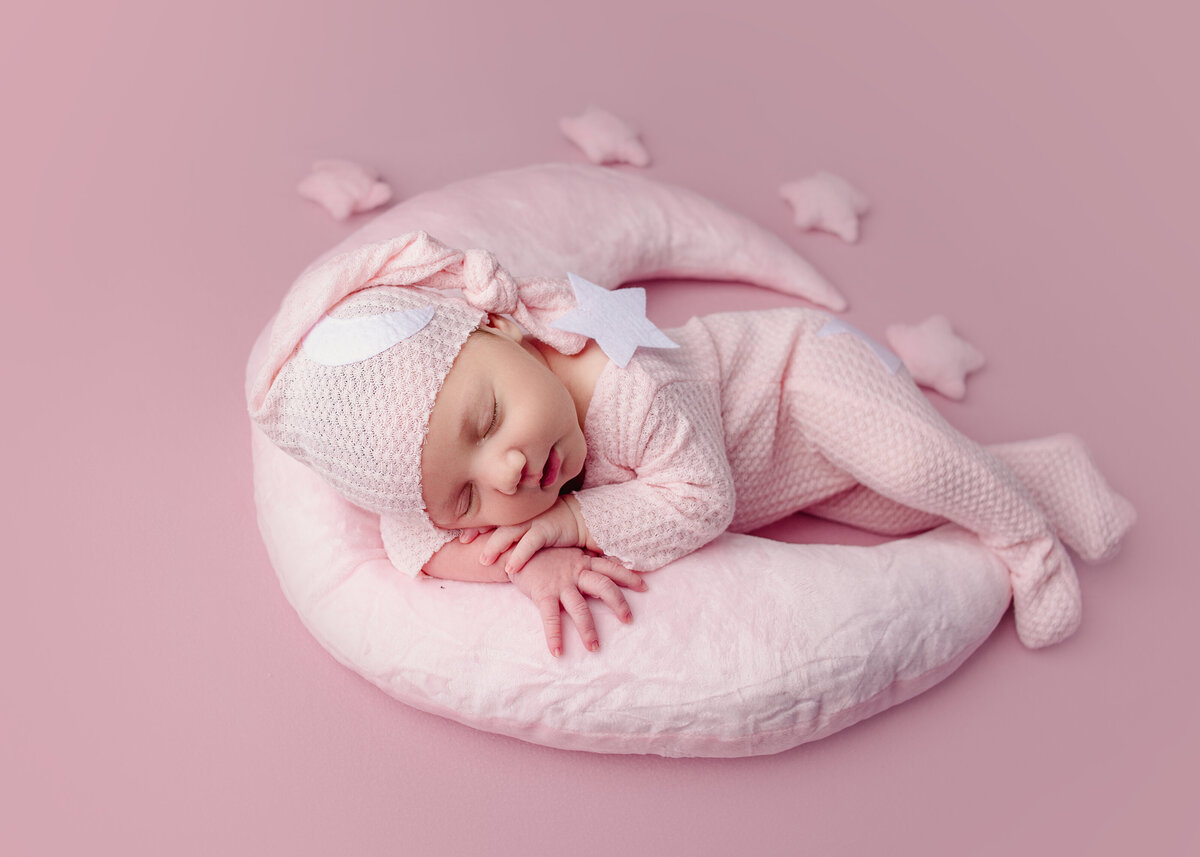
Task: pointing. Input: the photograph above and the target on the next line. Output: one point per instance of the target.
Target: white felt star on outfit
(828, 202)
(835, 326)
(615, 319)
(935, 356)
(604, 138)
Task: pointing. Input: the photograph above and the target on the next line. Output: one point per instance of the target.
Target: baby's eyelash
(471, 491)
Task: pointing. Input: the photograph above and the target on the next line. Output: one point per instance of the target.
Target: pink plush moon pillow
(806, 640)
(605, 225)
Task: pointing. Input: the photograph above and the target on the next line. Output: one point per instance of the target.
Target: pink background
(1033, 169)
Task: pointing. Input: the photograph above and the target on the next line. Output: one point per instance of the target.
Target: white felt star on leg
(828, 202)
(835, 326)
(615, 319)
(604, 138)
(935, 356)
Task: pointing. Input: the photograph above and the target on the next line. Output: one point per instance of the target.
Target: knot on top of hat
(486, 285)
(533, 302)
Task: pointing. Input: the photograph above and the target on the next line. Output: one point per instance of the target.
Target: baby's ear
(505, 327)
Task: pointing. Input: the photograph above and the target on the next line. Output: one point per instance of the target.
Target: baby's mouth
(550, 471)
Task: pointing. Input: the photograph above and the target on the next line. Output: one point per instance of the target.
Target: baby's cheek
(519, 510)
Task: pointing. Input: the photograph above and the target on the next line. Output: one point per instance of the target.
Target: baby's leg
(1060, 474)
(861, 507)
(879, 428)
(1057, 471)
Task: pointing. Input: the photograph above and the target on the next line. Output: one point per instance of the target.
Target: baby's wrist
(581, 528)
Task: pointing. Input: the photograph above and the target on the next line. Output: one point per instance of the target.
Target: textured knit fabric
(360, 426)
(756, 417)
(1057, 471)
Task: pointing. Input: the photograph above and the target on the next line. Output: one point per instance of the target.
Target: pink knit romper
(759, 415)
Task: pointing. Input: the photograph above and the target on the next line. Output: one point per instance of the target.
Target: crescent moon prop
(808, 638)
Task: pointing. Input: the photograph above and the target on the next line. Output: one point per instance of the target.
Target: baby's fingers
(577, 608)
(498, 542)
(551, 623)
(613, 570)
(599, 586)
(471, 533)
(530, 543)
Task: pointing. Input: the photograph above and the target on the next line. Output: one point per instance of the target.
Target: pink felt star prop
(604, 138)
(935, 356)
(828, 202)
(615, 319)
(344, 188)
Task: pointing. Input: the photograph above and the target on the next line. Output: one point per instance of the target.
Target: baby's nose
(509, 470)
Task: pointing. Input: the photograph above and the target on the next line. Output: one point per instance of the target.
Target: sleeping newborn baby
(500, 450)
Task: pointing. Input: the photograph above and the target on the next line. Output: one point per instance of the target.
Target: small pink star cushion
(344, 188)
(935, 356)
(604, 138)
(827, 202)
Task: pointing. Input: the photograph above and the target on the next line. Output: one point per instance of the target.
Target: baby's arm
(682, 494)
(458, 561)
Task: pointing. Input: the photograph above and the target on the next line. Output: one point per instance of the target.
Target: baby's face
(504, 436)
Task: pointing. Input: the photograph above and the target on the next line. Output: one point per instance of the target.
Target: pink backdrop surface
(1033, 170)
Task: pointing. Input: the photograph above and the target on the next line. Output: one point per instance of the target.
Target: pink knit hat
(357, 355)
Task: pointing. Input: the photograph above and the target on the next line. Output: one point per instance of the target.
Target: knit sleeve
(681, 495)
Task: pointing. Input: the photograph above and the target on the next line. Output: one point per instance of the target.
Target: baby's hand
(471, 533)
(558, 526)
(563, 576)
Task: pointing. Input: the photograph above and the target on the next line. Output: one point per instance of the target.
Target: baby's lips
(551, 468)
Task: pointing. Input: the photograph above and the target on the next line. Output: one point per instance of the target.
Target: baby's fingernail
(594, 646)
(556, 651)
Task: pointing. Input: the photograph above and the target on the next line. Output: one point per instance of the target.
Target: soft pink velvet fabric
(606, 225)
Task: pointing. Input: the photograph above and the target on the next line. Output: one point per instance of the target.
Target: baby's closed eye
(490, 418)
(463, 505)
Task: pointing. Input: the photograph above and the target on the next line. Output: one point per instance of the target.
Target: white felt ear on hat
(342, 341)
